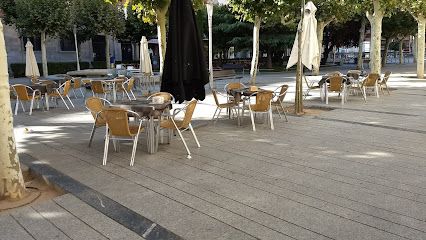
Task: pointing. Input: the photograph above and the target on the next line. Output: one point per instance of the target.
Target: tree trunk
(255, 57)
(107, 52)
(320, 34)
(401, 53)
(414, 48)
(43, 53)
(385, 53)
(361, 44)
(12, 184)
(376, 37)
(161, 33)
(421, 21)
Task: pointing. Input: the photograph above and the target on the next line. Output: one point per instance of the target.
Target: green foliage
(265, 9)
(18, 69)
(399, 25)
(147, 9)
(9, 9)
(36, 16)
(110, 18)
(415, 7)
(229, 31)
(337, 10)
(135, 28)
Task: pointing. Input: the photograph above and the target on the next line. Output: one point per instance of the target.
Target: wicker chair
(77, 85)
(127, 87)
(338, 85)
(21, 93)
(99, 88)
(62, 93)
(371, 81)
(119, 129)
(219, 106)
(311, 86)
(262, 105)
(95, 105)
(180, 126)
(278, 100)
(166, 96)
(383, 84)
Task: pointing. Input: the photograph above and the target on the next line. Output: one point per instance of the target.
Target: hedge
(18, 69)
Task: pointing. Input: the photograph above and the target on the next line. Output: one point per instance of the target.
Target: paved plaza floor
(356, 171)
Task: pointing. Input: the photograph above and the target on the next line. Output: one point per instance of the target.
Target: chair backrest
(76, 82)
(371, 80)
(34, 79)
(334, 74)
(263, 100)
(386, 77)
(166, 96)
(283, 92)
(66, 87)
(118, 121)
(214, 92)
(95, 105)
(233, 85)
(336, 83)
(97, 87)
(190, 108)
(354, 74)
(130, 83)
(21, 92)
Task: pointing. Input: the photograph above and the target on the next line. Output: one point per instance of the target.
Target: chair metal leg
(63, 100)
(31, 106)
(218, 114)
(106, 148)
(69, 99)
(135, 145)
(82, 94)
(271, 120)
(376, 89)
(252, 120)
(364, 94)
(16, 106)
(214, 114)
(183, 140)
(134, 97)
(285, 115)
(92, 134)
(193, 134)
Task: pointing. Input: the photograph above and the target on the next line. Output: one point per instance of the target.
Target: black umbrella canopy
(185, 72)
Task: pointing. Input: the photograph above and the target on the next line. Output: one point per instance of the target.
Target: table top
(43, 88)
(143, 107)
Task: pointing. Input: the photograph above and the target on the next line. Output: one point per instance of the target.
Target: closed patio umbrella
(185, 71)
(145, 59)
(31, 68)
(309, 46)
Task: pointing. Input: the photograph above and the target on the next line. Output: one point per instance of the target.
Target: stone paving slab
(315, 177)
(64, 217)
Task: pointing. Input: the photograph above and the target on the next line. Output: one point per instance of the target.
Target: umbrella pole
(209, 6)
(298, 103)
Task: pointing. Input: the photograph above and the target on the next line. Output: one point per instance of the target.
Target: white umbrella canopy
(145, 59)
(31, 68)
(310, 48)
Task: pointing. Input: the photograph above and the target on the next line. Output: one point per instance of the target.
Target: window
(67, 44)
(36, 41)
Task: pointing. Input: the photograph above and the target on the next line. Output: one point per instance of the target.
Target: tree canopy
(36, 16)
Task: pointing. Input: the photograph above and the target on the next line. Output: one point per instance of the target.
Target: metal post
(298, 103)
(209, 6)
(76, 47)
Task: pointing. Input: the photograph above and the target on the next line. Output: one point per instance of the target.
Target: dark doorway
(98, 44)
(126, 52)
